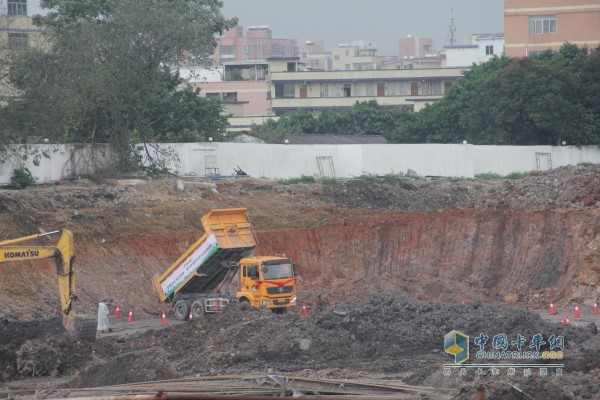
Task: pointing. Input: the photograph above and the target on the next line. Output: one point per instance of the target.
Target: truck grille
(282, 290)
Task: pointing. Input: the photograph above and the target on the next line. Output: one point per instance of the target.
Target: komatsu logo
(21, 254)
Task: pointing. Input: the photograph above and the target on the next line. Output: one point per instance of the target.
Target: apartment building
(314, 57)
(533, 26)
(483, 47)
(17, 32)
(356, 56)
(293, 90)
(257, 44)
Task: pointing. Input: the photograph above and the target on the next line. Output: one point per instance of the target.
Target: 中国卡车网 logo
(457, 344)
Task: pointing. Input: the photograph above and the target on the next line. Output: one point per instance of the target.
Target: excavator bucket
(80, 327)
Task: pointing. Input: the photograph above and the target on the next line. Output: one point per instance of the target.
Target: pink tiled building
(533, 26)
(258, 44)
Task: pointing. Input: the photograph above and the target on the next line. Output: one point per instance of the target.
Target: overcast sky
(382, 22)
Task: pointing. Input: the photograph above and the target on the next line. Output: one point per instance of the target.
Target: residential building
(314, 57)
(258, 44)
(293, 90)
(484, 46)
(17, 32)
(414, 47)
(244, 89)
(533, 26)
(358, 56)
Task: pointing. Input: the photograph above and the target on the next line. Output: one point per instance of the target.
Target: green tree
(545, 99)
(107, 75)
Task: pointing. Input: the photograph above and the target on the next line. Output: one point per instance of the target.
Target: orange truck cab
(267, 282)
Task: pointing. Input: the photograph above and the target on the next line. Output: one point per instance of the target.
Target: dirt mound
(388, 334)
(137, 366)
(571, 186)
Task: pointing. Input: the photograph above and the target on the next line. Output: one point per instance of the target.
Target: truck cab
(268, 282)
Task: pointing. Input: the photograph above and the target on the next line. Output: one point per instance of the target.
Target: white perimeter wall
(292, 161)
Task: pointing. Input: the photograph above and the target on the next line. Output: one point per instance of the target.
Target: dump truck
(198, 282)
(78, 325)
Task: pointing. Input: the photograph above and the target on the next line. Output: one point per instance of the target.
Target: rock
(304, 344)
(180, 185)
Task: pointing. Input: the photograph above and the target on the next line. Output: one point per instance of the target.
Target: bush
(22, 178)
(493, 176)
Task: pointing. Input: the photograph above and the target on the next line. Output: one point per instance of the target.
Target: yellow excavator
(82, 327)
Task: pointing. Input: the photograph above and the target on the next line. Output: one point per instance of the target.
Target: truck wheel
(198, 309)
(182, 310)
(245, 304)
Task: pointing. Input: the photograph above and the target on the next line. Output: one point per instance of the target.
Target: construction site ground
(387, 267)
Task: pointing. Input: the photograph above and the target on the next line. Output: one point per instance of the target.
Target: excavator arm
(63, 254)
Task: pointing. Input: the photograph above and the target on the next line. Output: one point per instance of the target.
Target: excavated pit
(485, 255)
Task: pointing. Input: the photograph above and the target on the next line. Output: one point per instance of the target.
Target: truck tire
(198, 309)
(182, 310)
(245, 304)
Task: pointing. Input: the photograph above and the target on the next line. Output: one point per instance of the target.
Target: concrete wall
(278, 161)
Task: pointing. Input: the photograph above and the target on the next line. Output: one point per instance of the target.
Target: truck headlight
(266, 303)
(293, 299)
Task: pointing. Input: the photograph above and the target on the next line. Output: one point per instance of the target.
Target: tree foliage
(364, 118)
(107, 75)
(540, 100)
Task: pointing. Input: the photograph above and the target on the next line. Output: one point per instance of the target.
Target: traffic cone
(463, 302)
(595, 308)
(164, 318)
(576, 313)
(566, 320)
(304, 312)
(552, 310)
(130, 317)
(191, 315)
(118, 312)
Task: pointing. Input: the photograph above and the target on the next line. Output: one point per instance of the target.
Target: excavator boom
(63, 254)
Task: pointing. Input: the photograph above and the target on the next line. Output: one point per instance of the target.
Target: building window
(347, 90)
(17, 41)
(17, 7)
(230, 97)
(226, 50)
(539, 24)
(489, 50)
(324, 90)
(285, 90)
(291, 67)
(336, 57)
(277, 50)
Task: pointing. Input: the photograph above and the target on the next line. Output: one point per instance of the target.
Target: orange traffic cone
(304, 312)
(164, 318)
(566, 320)
(191, 315)
(552, 310)
(595, 308)
(118, 312)
(576, 314)
(130, 317)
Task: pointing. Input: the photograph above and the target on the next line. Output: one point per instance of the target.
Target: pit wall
(493, 251)
(283, 161)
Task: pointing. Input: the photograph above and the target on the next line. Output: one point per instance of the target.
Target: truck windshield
(278, 271)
